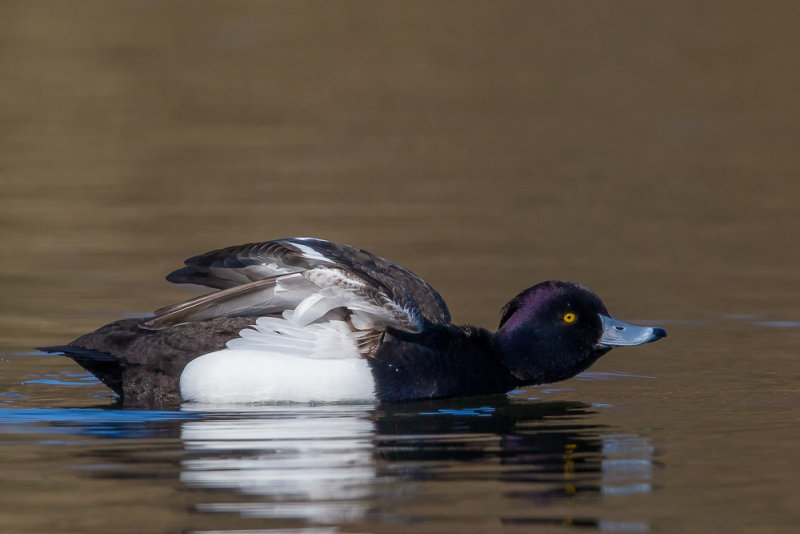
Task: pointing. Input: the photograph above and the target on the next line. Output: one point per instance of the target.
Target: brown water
(647, 150)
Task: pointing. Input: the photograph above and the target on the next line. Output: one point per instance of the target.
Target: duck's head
(554, 330)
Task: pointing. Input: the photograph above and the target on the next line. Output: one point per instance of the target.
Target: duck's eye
(570, 317)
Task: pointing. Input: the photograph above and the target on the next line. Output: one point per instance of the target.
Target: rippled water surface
(647, 150)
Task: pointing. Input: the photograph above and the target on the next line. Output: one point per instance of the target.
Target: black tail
(101, 364)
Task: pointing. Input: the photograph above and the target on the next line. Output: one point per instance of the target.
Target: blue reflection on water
(483, 411)
(779, 324)
(54, 382)
(107, 423)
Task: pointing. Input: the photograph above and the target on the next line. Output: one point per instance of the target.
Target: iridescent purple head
(554, 330)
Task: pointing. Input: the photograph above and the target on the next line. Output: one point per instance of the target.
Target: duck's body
(304, 319)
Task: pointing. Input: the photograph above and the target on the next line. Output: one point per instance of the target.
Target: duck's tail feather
(78, 352)
(101, 364)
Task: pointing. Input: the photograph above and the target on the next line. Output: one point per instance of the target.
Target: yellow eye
(570, 317)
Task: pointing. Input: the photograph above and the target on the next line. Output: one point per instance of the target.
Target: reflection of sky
(324, 464)
(627, 464)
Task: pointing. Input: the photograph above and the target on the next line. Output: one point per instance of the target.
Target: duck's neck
(518, 347)
(443, 361)
(533, 360)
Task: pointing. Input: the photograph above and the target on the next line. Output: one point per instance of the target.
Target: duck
(308, 320)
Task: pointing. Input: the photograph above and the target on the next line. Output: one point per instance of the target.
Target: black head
(554, 330)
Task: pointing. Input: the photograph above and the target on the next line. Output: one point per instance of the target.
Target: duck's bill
(619, 334)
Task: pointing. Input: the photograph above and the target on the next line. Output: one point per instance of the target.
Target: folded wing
(306, 281)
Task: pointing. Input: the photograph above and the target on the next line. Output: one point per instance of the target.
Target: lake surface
(648, 151)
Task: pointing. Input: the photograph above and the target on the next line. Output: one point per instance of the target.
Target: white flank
(279, 360)
(246, 376)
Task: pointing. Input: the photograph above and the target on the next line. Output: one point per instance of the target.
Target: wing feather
(247, 263)
(281, 336)
(262, 297)
(306, 282)
(244, 264)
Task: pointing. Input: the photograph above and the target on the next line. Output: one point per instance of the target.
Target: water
(647, 151)
(443, 465)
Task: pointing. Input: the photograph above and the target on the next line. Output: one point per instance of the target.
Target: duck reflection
(552, 447)
(324, 465)
(313, 463)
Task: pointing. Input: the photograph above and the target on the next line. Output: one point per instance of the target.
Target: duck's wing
(271, 260)
(308, 278)
(242, 264)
